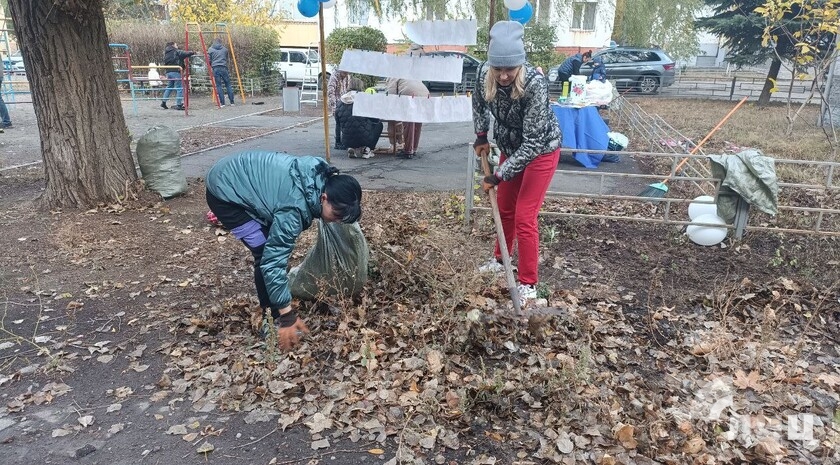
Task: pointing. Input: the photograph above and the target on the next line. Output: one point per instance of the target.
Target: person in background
(599, 71)
(174, 57)
(4, 111)
(266, 200)
(219, 62)
(528, 135)
(411, 88)
(360, 134)
(153, 78)
(571, 66)
(338, 85)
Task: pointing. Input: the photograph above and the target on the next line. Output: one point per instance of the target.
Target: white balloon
(707, 235)
(329, 4)
(696, 209)
(515, 4)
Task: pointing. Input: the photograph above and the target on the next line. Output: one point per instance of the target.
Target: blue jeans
(174, 78)
(4, 112)
(222, 76)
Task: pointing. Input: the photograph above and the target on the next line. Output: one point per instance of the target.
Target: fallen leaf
(830, 379)
(694, 445)
(748, 381)
(104, 358)
(60, 432)
(624, 434)
(376, 451)
(114, 408)
(205, 448)
(564, 443)
(86, 421)
(116, 428)
(189, 437)
(435, 361)
(318, 423)
(321, 444)
(180, 430)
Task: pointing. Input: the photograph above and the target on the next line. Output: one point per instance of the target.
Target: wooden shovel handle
(500, 236)
(705, 139)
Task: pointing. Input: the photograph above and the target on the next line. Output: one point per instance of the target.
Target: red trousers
(520, 200)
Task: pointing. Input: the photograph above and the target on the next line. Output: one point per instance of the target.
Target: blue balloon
(523, 15)
(309, 8)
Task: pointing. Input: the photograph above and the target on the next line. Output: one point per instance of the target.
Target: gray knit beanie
(507, 50)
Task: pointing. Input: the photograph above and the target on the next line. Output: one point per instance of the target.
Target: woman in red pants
(528, 135)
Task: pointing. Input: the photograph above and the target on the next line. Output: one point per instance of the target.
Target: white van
(300, 64)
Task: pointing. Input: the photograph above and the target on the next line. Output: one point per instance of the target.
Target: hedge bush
(253, 46)
(358, 38)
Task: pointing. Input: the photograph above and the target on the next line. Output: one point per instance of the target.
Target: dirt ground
(126, 338)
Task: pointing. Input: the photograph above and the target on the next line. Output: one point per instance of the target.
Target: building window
(583, 17)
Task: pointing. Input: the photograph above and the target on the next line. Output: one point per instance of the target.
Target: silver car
(645, 69)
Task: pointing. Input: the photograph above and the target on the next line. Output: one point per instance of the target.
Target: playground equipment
(12, 85)
(219, 29)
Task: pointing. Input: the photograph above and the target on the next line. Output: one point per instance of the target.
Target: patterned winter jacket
(523, 129)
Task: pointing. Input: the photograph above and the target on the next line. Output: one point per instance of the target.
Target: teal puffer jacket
(281, 192)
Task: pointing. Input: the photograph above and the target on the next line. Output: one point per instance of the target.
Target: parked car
(645, 69)
(14, 63)
(301, 64)
(468, 75)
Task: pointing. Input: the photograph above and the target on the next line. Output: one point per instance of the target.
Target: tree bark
(773, 73)
(85, 142)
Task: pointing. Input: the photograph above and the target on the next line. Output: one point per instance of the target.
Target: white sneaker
(492, 266)
(367, 153)
(231, 103)
(222, 105)
(352, 153)
(526, 292)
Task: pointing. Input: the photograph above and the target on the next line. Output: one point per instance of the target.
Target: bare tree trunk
(773, 73)
(84, 138)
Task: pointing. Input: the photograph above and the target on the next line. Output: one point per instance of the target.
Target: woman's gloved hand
(490, 182)
(481, 145)
(290, 325)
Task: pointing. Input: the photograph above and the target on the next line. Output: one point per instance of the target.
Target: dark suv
(467, 77)
(645, 69)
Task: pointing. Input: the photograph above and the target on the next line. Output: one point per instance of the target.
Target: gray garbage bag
(159, 156)
(336, 265)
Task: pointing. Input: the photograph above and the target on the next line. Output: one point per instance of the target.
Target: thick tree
(743, 29)
(84, 139)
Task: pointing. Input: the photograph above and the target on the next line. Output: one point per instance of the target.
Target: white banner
(420, 68)
(455, 32)
(413, 109)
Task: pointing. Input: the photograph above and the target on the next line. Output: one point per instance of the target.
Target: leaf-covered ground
(131, 325)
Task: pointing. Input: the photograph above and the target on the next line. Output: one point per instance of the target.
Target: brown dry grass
(750, 126)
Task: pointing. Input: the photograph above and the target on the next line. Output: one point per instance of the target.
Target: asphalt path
(440, 165)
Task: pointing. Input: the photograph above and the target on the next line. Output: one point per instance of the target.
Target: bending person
(571, 66)
(267, 199)
(528, 134)
(413, 88)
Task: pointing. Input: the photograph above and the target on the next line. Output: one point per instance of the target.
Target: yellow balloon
(370, 90)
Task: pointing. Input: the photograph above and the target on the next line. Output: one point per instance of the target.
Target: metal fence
(736, 87)
(811, 207)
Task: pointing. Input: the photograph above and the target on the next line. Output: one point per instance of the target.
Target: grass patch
(751, 126)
